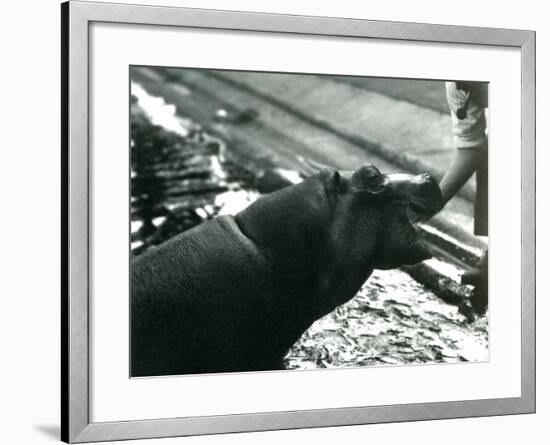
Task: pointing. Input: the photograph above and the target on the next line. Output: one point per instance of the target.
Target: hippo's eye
(369, 178)
(375, 181)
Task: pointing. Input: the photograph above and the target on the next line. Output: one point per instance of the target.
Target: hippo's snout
(422, 191)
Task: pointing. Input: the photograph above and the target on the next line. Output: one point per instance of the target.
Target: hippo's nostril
(423, 178)
(426, 195)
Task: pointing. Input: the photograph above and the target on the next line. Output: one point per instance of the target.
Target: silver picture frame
(75, 396)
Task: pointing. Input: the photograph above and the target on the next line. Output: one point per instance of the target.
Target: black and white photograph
(242, 222)
(302, 221)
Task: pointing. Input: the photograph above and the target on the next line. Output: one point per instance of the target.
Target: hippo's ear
(413, 254)
(339, 183)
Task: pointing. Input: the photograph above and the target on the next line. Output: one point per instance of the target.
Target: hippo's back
(200, 303)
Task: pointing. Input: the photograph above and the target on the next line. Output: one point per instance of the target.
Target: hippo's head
(366, 226)
(369, 215)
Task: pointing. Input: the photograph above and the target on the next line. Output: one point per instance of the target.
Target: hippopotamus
(236, 292)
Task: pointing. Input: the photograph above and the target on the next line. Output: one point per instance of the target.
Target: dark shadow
(51, 431)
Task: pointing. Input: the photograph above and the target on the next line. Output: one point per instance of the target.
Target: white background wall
(29, 222)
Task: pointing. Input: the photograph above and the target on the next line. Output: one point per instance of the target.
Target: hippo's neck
(288, 229)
